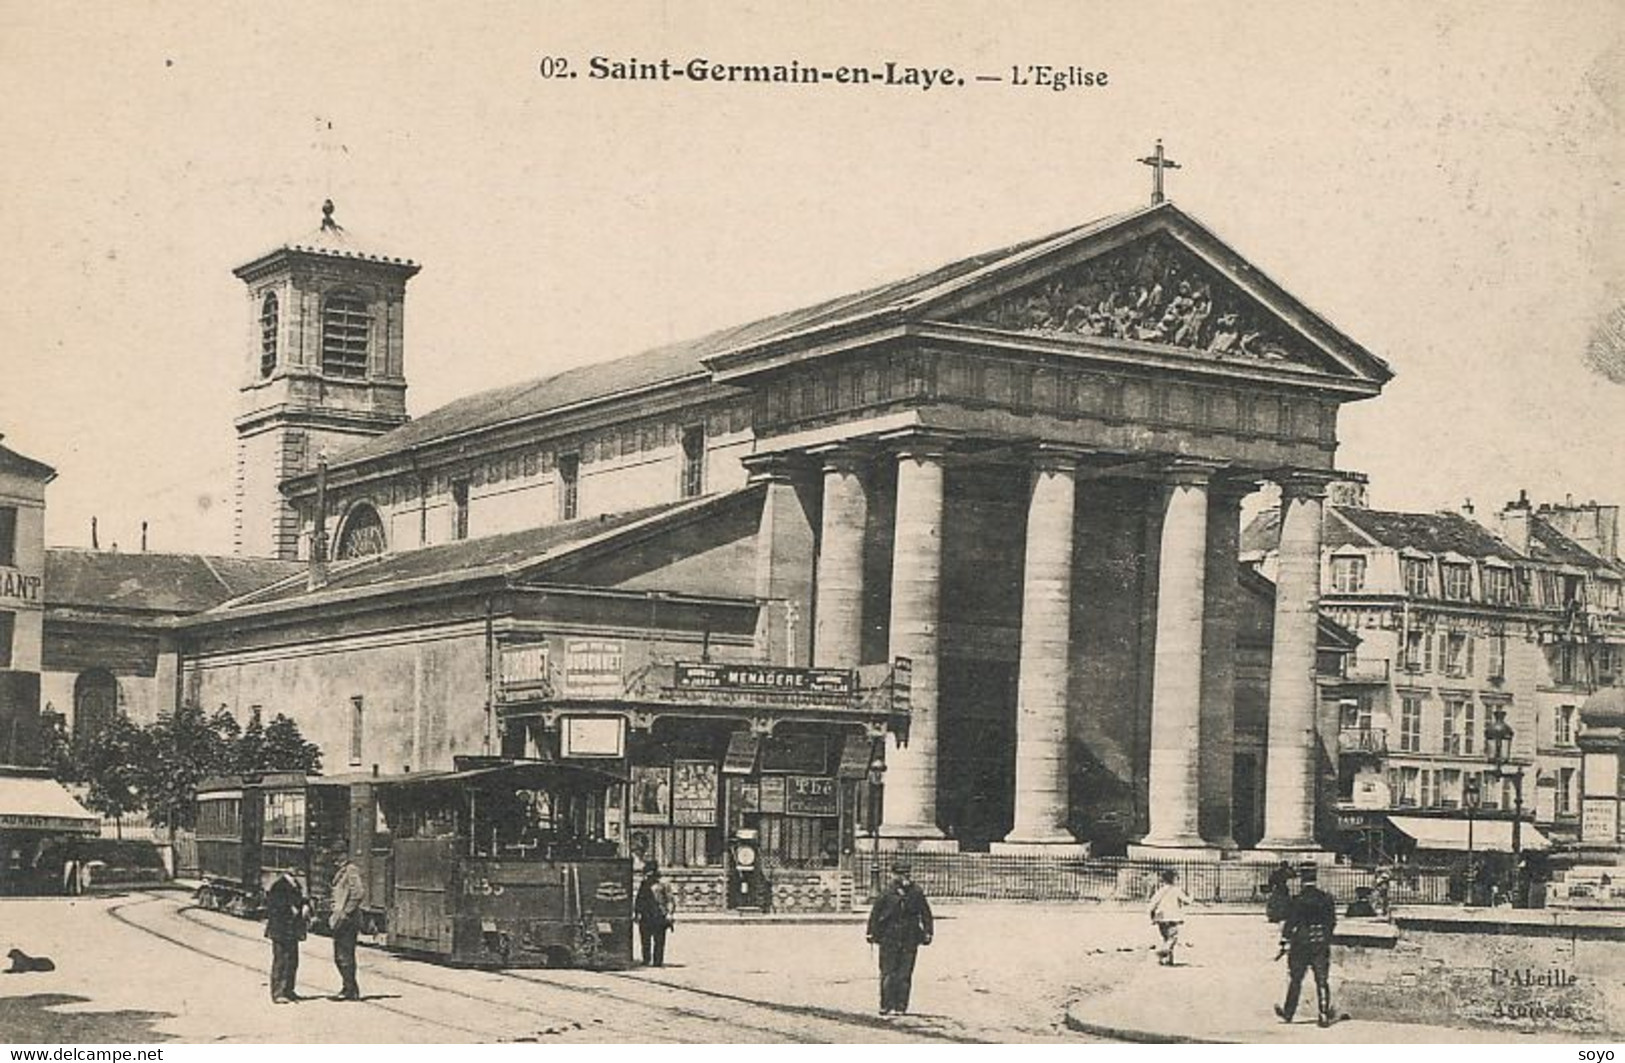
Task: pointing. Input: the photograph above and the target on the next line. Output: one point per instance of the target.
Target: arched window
(268, 334)
(363, 533)
(95, 704)
(346, 329)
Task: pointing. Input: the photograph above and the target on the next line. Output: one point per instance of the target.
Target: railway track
(636, 1004)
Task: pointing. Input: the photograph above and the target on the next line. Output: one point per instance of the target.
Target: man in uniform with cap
(900, 922)
(1306, 939)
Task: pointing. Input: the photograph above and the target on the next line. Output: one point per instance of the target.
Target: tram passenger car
(497, 863)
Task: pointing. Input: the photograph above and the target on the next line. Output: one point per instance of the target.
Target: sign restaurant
(711, 675)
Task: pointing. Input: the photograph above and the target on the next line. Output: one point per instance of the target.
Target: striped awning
(1450, 833)
(30, 803)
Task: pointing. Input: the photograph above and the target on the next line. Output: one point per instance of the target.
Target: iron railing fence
(1036, 877)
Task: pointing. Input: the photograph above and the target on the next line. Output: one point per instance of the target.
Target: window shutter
(1470, 641)
(1427, 651)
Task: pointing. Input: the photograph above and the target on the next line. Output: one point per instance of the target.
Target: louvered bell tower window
(268, 334)
(346, 329)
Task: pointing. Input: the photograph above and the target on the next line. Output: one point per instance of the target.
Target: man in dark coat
(900, 922)
(653, 909)
(285, 926)
(1306, 938)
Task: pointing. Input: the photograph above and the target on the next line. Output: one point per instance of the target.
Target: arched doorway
(362, 534)
(95, 704)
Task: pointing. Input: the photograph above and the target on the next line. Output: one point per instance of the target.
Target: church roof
(679, 362)
(332, 240)
(164, 584)
(466, 560)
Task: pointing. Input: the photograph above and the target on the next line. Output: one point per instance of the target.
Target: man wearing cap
(900, 922)
(349, 893)
(1306, 938)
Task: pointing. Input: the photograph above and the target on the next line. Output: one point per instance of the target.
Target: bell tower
(322, 369)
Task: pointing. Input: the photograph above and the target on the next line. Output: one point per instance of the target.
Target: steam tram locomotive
(495, 863)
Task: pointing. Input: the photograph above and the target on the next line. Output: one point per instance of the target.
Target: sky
(1441, 181)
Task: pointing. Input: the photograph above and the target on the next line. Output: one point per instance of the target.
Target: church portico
(1012, 485)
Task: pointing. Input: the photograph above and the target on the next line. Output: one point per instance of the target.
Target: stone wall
(1536, 971)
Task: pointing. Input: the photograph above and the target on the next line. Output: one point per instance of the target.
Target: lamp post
(1471, 795)
(1498, 737)
(877, 777)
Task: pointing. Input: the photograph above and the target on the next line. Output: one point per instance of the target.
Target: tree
(113, 760)
(184, 748)
(285, 748)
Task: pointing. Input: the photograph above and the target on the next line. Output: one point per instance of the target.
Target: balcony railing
(1362, 740)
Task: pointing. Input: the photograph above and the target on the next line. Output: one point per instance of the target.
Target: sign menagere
(713, 675)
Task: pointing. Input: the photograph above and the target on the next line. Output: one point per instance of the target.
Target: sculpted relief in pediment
(1153, 292)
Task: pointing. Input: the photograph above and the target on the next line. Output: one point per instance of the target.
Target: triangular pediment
(1153, 290)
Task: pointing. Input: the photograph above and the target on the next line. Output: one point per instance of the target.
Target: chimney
(1515, 519)
(318, 535)
(143, 537)
(1467, 509)
(94, 543)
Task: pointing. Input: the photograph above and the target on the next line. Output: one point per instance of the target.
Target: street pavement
(145, 967)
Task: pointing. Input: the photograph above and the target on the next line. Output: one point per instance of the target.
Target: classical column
(1042, 799)
(1218, 718)
(916, 596)
(1289, 777)
(1176, 682)
(784, 556)
(838, 642)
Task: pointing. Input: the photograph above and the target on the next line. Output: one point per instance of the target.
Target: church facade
(1008, 488)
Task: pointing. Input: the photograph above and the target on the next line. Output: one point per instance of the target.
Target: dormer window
(1458, 581)
(346, 331)
(1348, 573)
(1497, 582)
(268, 334)
(1419, 577)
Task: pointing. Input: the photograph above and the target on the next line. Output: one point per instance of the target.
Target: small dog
(23, 963)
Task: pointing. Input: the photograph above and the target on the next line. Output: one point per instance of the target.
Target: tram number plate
(481, 887)
(604, 927)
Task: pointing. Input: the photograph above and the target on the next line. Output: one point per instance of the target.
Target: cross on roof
(1158, 163)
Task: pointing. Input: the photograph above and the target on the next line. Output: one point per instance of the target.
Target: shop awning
(1489, 835)
(31, 803)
